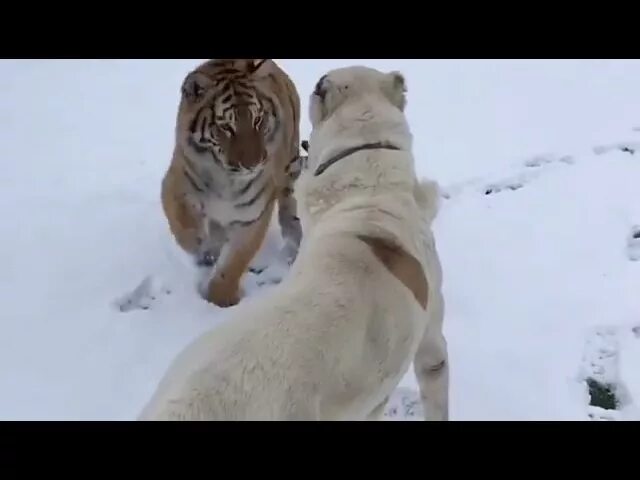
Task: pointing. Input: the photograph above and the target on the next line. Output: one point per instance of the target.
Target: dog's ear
(396, 89)
(317, 108)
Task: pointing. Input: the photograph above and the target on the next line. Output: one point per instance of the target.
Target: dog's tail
(427, 196)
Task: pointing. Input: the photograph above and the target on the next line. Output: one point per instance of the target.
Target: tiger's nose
(247, 152)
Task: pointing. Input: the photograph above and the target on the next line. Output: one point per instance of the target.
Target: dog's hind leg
(431, 367)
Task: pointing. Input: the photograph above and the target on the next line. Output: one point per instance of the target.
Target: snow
(538, 162)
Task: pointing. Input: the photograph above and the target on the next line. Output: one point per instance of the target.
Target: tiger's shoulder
(277, 86)
(280, 84)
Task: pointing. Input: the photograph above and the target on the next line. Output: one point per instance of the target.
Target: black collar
(345, 153)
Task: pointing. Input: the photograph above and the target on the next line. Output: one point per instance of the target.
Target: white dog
(361, 302)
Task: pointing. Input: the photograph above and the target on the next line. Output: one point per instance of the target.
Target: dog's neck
(349, 151)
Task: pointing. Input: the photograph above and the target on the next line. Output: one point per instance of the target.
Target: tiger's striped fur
(237, 133)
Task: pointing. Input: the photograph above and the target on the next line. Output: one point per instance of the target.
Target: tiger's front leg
(289, 224)
(223, 289)
(288, 210)
(210, 243)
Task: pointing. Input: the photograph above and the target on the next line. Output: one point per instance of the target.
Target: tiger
(235, 157)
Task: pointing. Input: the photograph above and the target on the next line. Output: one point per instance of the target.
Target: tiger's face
(223, 116)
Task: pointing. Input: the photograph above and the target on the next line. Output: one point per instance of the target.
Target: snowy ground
(540, 161)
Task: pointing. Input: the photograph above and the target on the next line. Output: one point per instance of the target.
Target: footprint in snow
(273, 272)
(541, 160)
(509, 184)
(600, 372)
(404, 405)
(627, 147)
(143, 296)
(534, 167)
(633, 244)
(270, 274)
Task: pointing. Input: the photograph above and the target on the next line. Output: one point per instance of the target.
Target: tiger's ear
(255, 64)
(194, 86)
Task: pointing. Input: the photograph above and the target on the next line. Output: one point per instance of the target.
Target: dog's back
(325, 344)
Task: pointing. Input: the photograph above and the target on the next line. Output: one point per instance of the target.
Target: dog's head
(337, 87)
(349, 108)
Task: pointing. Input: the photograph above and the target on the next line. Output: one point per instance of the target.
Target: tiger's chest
(235, 200)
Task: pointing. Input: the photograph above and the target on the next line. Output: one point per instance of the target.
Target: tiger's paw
(150, 290)
(222, 294)
(288, 253)
(205, 259)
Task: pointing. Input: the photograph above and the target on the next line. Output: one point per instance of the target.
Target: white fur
(332, 341)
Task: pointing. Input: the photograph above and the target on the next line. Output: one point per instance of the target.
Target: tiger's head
(222, 116)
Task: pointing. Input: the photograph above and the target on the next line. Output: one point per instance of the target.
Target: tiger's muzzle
(246, 151)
